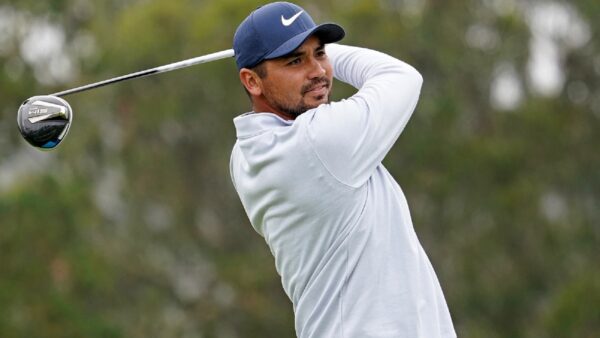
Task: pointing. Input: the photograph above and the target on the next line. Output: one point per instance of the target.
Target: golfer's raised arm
(351, 137)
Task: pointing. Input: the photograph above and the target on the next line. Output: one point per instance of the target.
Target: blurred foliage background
(131, 228)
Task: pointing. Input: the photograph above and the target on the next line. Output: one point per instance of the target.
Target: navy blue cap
(275, 30)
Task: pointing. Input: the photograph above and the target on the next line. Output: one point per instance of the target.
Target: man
(309, 175)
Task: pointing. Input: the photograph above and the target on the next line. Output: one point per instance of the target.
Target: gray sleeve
(351, 137)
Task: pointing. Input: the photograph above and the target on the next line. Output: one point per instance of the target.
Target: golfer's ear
(251, 81)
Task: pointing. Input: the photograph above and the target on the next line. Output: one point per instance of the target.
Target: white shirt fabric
(335, 220)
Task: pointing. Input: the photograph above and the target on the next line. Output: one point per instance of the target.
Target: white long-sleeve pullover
(335, 220)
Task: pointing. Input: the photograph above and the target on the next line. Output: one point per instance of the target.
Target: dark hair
(260, 70)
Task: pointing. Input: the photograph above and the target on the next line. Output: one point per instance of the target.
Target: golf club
(44, 120)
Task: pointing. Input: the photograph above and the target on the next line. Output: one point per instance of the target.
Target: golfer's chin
(313, 100)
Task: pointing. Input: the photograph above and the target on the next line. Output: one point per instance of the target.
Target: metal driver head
(44, 121)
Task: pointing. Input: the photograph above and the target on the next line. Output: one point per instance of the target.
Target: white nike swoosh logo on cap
(287, 22)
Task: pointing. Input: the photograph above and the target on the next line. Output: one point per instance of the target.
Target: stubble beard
(301, 107)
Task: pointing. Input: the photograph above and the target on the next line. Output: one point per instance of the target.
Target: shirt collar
(250, 124)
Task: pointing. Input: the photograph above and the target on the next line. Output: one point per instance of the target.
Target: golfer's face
(299, 81)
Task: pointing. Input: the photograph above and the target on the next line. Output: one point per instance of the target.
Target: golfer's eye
(294, 61)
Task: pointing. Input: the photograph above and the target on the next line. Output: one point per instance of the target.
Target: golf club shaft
(161, 69)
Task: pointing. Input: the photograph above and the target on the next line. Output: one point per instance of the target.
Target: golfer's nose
(317, 69)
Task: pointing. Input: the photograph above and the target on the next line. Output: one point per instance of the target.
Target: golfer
(309, 175)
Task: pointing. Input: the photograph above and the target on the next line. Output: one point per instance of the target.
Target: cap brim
(327, 33)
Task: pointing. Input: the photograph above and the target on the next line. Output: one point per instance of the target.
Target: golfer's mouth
(320, 89)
